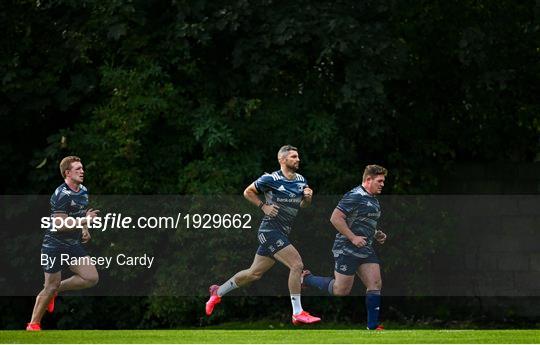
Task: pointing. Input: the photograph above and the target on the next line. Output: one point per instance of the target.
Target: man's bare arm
(339, 221)
(251, 194)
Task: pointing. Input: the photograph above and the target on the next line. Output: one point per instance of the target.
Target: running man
(355, 218)
(68, 200)
(285, 192)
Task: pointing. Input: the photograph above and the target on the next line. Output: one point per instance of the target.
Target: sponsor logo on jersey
(288, 199)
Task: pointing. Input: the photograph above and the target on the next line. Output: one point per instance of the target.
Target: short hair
(374, 170)
(284, 150)
(65, 164)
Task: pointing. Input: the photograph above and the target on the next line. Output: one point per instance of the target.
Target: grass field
(272, 336)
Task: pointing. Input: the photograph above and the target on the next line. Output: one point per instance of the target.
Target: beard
(292, 166)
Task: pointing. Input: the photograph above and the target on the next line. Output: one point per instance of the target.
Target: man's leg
(261, 264)
(85, 277)
(341, 284)
(50, 287)
(370, 274)
(290, 257)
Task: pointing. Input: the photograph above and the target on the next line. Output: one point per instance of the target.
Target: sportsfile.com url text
(113, 221)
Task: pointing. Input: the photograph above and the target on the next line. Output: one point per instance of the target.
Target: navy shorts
(348, 264)
(271, 242)
(53, 258)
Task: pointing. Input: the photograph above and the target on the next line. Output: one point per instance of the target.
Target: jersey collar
(368, 193)
(285, 177)
(74, 191)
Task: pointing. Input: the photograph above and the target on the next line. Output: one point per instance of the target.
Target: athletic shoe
(304, 273)
(378, 328)
(304, 318)
(33, 327)
(50, 306)
(213, 300)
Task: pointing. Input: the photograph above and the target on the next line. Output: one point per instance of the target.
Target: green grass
(272, 336)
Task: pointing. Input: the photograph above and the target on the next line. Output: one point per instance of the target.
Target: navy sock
(373, 305)
(322, 283)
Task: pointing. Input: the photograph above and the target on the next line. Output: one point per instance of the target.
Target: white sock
(296, 304)
(226, 287)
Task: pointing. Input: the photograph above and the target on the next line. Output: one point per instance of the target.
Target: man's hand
(359, 241)
(91, 213)
(270, 210)
(308, 194)
(85, 235)
(380, 236)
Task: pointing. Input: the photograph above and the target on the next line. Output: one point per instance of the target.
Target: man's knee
(341, 290)
(255, 275)
(297, 266)
(93, 280)
(52, 286)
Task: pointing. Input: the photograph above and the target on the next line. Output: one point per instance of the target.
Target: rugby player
(355, 218)
(70, 199)
(285, 191)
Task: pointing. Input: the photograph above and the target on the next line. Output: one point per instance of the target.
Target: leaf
(116, 31)
(42, 164)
